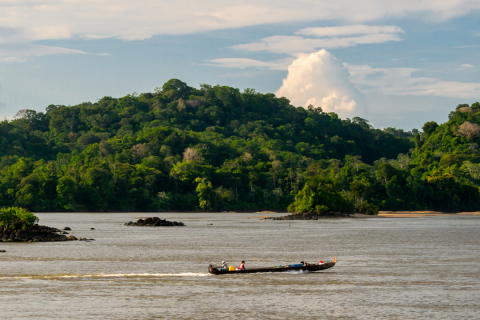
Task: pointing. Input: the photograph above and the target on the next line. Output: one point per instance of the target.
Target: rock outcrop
(154, 222)
(35, 233)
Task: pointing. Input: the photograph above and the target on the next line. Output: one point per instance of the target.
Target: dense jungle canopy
(216, 148)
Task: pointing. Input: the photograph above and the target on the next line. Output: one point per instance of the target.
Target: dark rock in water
(149, 221)
(154, 222)
(92, 228)
(35, 233)
(67, 228)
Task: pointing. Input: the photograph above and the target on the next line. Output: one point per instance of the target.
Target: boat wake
(107, 275)
(297, 271)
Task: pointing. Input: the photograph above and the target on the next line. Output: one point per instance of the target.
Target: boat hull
(311, 268)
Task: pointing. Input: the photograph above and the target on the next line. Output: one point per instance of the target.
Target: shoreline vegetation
(20, 225)
(216, 149)
(381, 214)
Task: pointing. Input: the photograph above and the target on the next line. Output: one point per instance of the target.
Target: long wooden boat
(213, 269)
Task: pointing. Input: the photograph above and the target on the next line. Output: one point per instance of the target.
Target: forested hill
(177, 114)
(144, 152)
(448, 157)
(213, 148)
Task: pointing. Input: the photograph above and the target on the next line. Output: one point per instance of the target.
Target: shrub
(321, 196)
(368, 208)
(16, 218)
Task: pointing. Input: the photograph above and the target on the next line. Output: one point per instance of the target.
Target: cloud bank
(321, 80)
(326, 38)
(20, 52)
(243, 63)
(349, 30)
(23, 21)
(402, 81)
(136, 20)
(296, 45)
(26, 49)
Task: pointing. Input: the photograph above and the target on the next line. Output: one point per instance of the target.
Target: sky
(397, 63)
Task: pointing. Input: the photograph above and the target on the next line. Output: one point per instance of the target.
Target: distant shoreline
(387, 214)
(266, 214)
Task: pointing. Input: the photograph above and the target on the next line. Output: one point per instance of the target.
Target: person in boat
(224, 265)
(242, 266)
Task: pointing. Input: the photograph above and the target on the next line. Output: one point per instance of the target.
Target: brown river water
(386, 268)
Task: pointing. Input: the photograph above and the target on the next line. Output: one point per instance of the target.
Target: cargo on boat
(214, 269)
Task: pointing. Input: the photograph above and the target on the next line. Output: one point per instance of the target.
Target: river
(386, 268)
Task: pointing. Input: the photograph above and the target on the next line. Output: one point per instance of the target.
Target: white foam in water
(110, 275)
(297, 271)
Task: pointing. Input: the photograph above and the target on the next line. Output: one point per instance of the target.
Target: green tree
(66, 190)
(359, 188)
(205, 193)
(321, 196)
(16, 218)
(429, 128)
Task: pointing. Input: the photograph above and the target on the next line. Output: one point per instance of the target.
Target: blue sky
(398, 64)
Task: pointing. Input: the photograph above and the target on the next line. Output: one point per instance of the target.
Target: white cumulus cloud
(321, 80)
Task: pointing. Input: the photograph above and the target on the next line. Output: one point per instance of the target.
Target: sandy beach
(420, 214)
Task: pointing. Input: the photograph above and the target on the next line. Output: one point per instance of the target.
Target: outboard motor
(211, 267)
